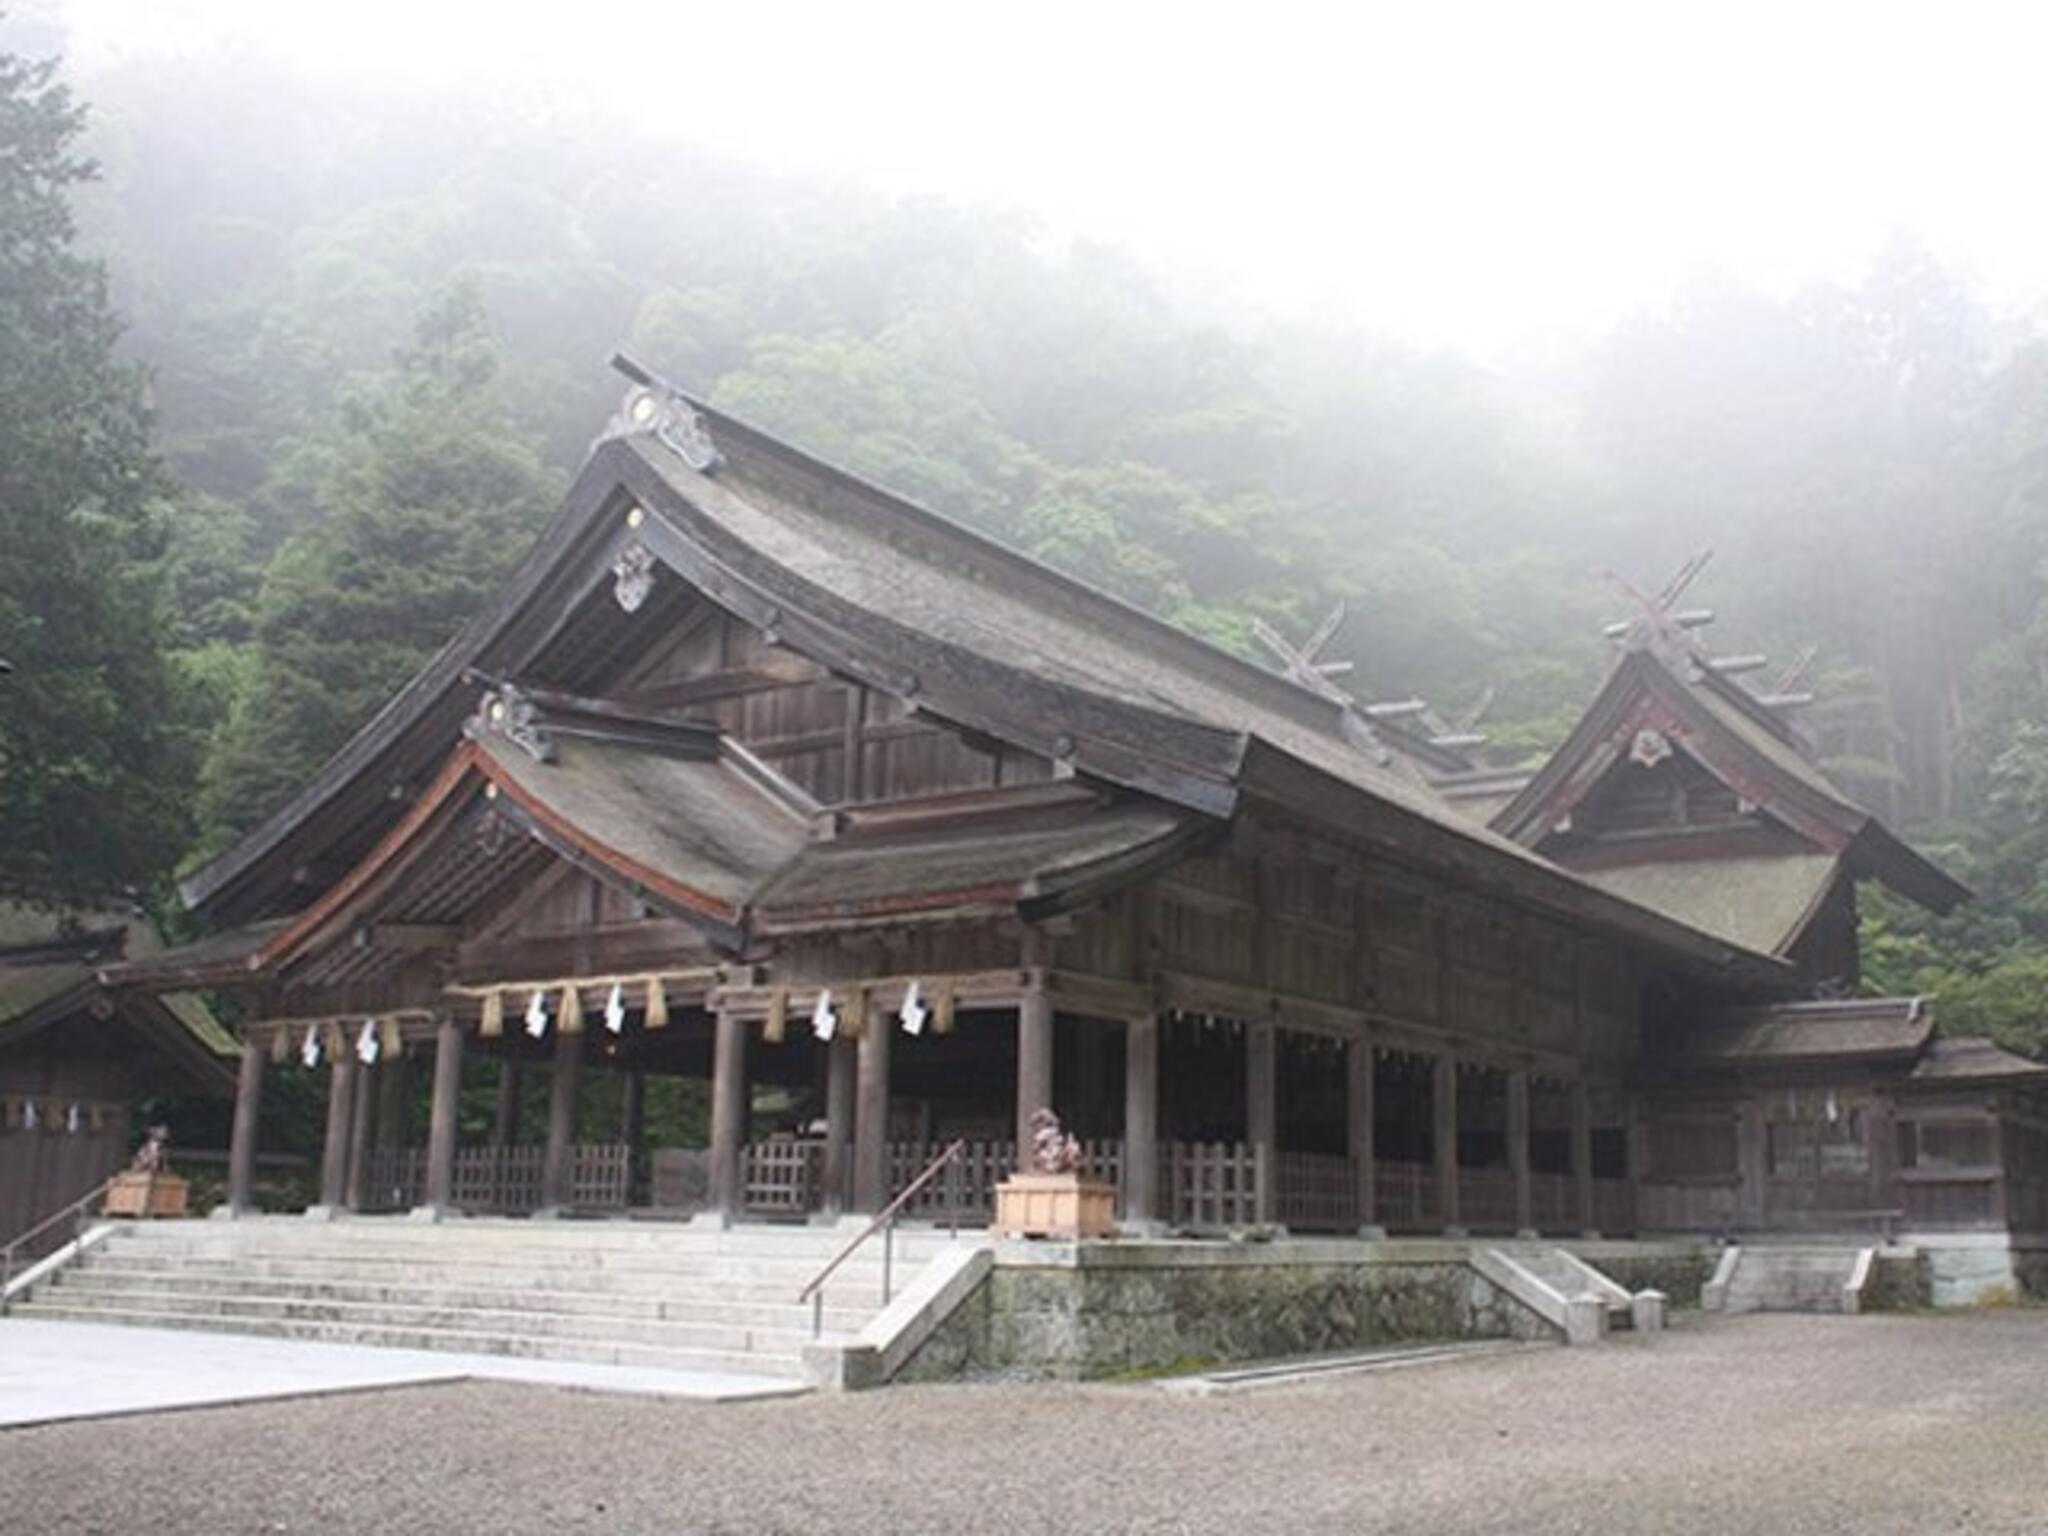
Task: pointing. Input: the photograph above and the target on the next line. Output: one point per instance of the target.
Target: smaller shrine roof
(52, 960)
(703, 829)
(1761, 902)
(1833, 1032)
(1972, 1059)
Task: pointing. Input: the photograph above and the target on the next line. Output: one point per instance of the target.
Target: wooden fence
(1317, 1193)
(1211, 1184)
(501, 1181)
(1614, 1206)
(1203, 1185)
(1407, 1197)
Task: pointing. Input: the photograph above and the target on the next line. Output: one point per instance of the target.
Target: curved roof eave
(562, 551)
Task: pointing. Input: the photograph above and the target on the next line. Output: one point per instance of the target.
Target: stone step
(789, 1275)
(517, 1236)
(691, 1299)
(468, 1342)
(786, 1336)
(1790, 1278)
(848, 1285)
(702, 1304)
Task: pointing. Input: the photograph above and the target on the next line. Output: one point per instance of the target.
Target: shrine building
(757, 774)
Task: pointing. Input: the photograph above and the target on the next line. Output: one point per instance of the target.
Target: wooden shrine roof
(1809, 1033)
(1760, 901)
(713, 837)
(1738, 739)
(1971, 1059)
(51, 960)
(954, 625)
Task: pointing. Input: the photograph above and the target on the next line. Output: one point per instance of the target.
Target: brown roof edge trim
(556, 548)
(467, 766)
(461, 764)
(563, 835)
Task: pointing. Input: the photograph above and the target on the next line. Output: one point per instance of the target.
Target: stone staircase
(1579, 1301)
(1569, 1275)
(1785, 1277)
(612, 1293)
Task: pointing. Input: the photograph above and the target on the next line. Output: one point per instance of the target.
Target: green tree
(422, 496)
(94, 762)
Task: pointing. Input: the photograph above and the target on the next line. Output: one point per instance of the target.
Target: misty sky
(1483, 176)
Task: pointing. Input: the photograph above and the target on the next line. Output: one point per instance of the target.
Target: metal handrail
(885, 1223)
(70, 1211)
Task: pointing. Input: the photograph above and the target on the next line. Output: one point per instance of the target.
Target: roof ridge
(1205, 652)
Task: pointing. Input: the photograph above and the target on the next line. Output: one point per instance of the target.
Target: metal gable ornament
(1650, 747)
(633, 576)
(663, 413)
(510, 713)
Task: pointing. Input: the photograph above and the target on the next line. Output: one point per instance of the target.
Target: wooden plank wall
(809, 723)
(1285, 913)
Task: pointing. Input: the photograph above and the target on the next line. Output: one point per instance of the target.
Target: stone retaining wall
(1074, 1312)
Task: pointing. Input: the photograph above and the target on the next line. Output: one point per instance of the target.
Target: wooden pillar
(2001, 1188)
(1582, 1157)
(1359, 1111)
(871, 1119)
(1141, 1122)
(361, 1134)
(1518, 1153)
(1034, 1060)
(1751, 1164)
(1261, 1115)
(341, 1082)
(394, 1103)
(505, 1118)
(558, 1168)
(632, 1127)
(443, 1115)
(1880, 1125)
(1444, 1132)
(840, 1066)
(728, 1113)
(242, 1140)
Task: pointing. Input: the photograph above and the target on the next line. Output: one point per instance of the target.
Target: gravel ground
(1763, 1424)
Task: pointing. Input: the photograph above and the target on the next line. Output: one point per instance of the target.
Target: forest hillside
(368, 334)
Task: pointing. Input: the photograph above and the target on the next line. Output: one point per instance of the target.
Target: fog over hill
(374, 313)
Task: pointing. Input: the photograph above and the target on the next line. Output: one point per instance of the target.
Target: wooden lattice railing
(501, 1181)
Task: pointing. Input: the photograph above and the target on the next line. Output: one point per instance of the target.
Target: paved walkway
(55, 1371)
(1749, 1426)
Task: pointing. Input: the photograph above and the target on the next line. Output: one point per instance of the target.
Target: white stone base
(1968, 1269)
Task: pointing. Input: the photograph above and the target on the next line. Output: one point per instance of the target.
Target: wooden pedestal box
(1054, 1205)
(146, 1194)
